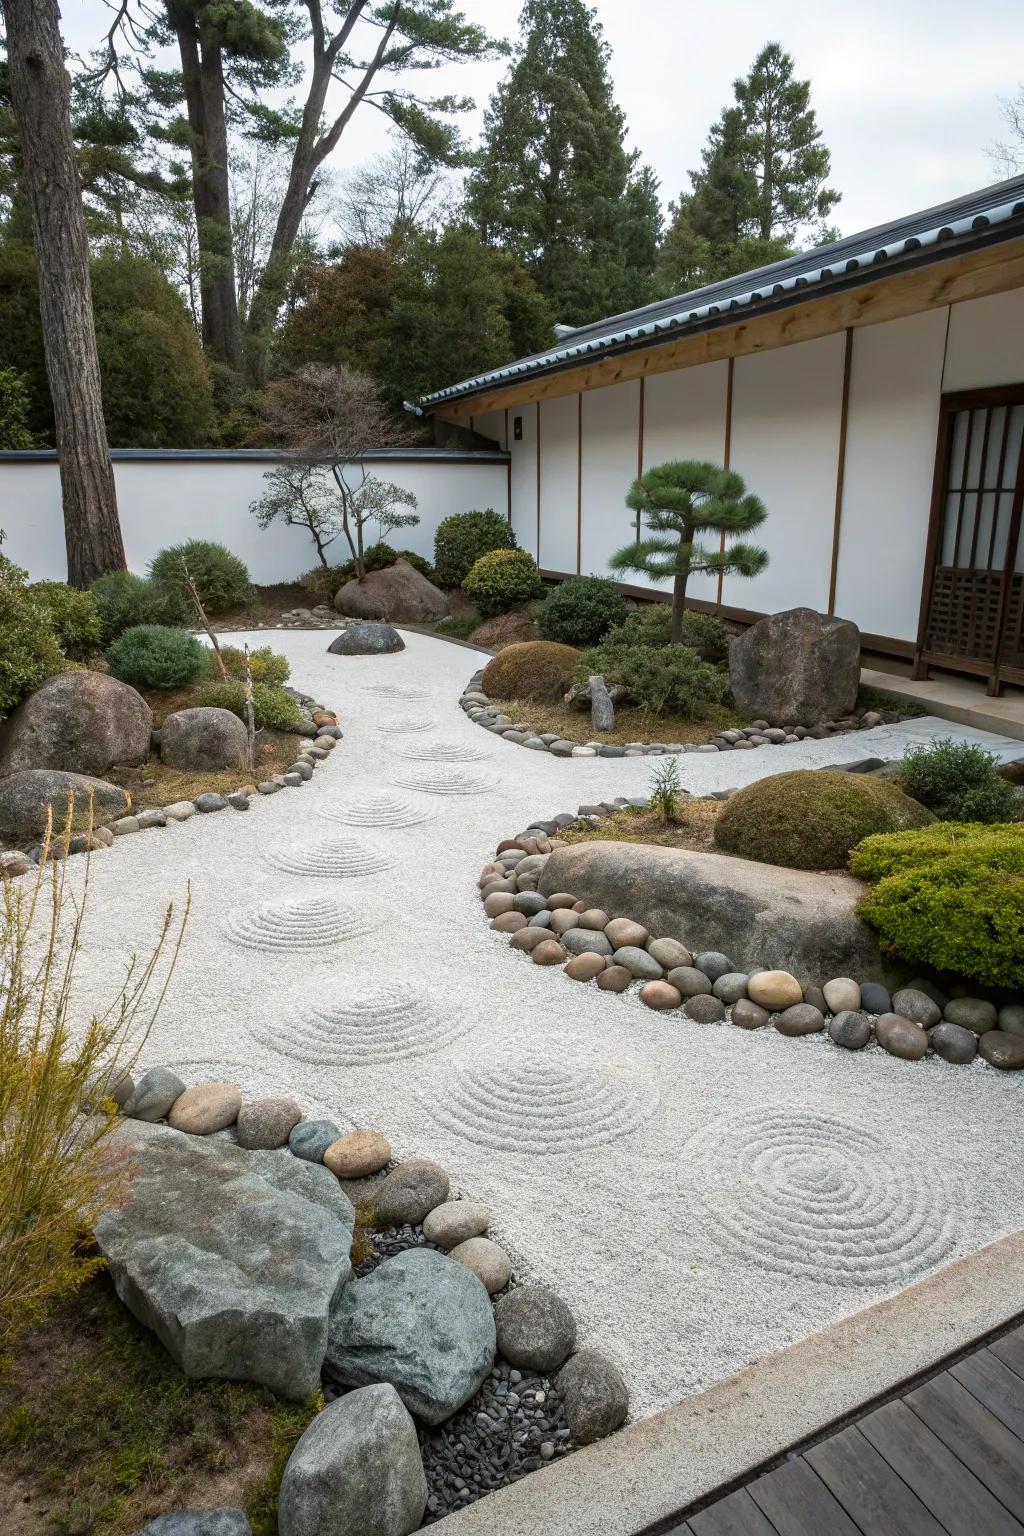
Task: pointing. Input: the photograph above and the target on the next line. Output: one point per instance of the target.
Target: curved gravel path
(700, 1196)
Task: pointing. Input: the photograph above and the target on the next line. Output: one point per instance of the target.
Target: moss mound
(950, 896)
(534, 669)
(811, 819)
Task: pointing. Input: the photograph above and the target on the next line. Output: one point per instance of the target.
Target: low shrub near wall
(950, 896)
(501, 579)
(29, 652)
(221, 579)
(462, 538)
(579, 611)
(124, 600)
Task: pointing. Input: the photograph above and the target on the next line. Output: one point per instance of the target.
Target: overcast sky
(906, 91)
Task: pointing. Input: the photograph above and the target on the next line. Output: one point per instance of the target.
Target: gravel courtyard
(699, 1195)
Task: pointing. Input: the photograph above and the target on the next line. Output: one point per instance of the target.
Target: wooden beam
(726, 458)
(538, 482)
(840, 470)
(972, 275)
(579, 481)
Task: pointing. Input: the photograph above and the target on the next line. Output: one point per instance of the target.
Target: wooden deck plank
(735, 1515)
(992, 1452)
(1010, 1350)
(873, 1495)
(956, 1498)
(994, 1384)
(797, 1502)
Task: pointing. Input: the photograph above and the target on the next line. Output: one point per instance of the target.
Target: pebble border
(481, 711)
(917, 1020)
(517, 1421)
(324, 738)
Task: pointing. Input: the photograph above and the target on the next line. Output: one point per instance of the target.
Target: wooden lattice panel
(1012, 654)
(963, 618)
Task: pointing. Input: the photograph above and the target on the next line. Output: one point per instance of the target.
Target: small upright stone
(410, 1192)
(594, 1395)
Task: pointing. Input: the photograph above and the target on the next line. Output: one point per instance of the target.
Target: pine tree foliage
(680, 500)
(554, 183)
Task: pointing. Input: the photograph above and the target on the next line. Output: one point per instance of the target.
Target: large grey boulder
(421, 1322)
(399, 593)
(760, 915)
(356, 1471)
(233, 1258)
(84, 722)
(27, 796)
(796, 668)
(367, 640)
(203, 738)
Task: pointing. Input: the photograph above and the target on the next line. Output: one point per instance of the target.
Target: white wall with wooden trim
(491, 424)
(986, 342)
(611, 422)
(524, 476)
(559, 451)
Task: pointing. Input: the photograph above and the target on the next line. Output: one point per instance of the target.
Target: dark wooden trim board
(942, 1457)
(579, 482)
(537, 446)
(840, 469)
(726, 457)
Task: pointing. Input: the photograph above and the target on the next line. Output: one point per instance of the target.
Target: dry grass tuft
(630, 724)
(692, 827)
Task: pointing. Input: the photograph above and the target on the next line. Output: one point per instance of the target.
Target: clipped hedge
(579, 611)
(124, 600)
(221, 579)
(532, 670)
(502, 579)
(812, 819)
(153, 656)
(951, 897)
(462, 538)
(74, 617)
(274, 709)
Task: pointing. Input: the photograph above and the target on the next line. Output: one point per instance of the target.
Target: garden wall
(166, 497)
(778, 415)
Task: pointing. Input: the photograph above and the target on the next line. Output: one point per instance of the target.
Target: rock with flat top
(799, 666)
(367, 640)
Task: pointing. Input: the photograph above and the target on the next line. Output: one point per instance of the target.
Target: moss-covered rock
(535, 669)
(812, 819)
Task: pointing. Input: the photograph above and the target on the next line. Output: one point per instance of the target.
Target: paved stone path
(699, 1195)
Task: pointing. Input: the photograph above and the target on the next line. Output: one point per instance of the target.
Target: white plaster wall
(786, 408)
(611, 419)
(986, 342)
(559, 453)
(892, 421)
(491, 424)
(684, 418)
(165, 501)
(524, 476)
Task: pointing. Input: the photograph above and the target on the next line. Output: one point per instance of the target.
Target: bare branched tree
(393, 192)
(1007, 155)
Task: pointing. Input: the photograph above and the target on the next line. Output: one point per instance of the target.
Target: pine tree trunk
(203, 79)
(679, 593)
(41, 96)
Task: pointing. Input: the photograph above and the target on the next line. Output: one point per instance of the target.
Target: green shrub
(153, 656)
(265, 665)
(323, 581)
(74, 616)
(221, 579)
(665, 679)
(581, 610)
(462, 538)
(666, 787)
(533, 669)
(274, 709)
(29, 652)
(651, 624)
(812, 819)
(501, 579)
(124, 600)
(951, 896)
(958, 782)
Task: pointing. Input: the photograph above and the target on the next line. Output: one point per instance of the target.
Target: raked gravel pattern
(699, 1195)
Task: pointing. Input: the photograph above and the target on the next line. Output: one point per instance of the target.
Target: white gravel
(699, 1195)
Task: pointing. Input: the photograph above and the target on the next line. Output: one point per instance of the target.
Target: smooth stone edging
(655, 1469)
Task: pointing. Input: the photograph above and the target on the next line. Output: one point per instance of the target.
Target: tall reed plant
(58, 1067)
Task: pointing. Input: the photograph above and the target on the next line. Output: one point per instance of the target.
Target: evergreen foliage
(274, 708)
(531, 671)
(73, 615)
(463, 537)
(579, 611)
(14, 409)
(152, 656)
(125, 600)
(502, 579)
(29, 652)
(221, 579)
(959, 782)
(662, 679)
(554, 183)
(679, 500)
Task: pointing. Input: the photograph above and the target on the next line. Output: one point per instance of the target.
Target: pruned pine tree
(681, 500)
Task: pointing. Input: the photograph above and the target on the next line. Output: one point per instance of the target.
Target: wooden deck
(945, 1459)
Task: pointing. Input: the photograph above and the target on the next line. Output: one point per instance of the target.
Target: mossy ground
(100, 1432)
(693, 826)
(630, 724)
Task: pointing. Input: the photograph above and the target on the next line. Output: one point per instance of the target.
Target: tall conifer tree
(555, 184)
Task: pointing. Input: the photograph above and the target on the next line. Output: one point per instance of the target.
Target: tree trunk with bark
(41, 96)
(679, 592)
(202, 68)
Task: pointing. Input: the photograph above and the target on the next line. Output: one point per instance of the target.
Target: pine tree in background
(554, 182)
(762, 183)
(681, 499)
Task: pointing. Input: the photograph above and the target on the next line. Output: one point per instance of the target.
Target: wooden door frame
(995, 673)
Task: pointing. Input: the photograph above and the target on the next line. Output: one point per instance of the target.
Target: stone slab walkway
(337, 950)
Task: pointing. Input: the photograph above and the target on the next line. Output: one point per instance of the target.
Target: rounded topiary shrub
(579, 611)
(534, 669)
(273, 708)
(152, 656)
(502, 579)
(74, 616)
(124, 600)
(462, 538)
(221, 579)
(29, 652)
(811, 819)
(950, 896)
